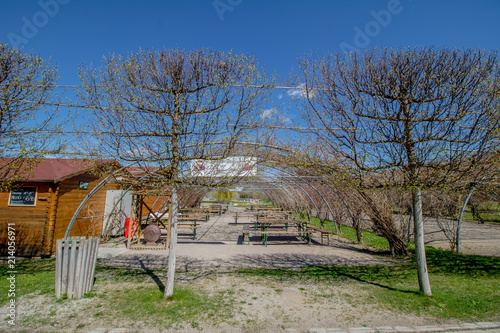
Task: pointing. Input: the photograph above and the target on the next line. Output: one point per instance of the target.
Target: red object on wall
(128, 224)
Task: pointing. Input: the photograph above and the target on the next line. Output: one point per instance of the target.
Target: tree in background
(170, 107)
(411, 118)
(26, 87)
(224, 196)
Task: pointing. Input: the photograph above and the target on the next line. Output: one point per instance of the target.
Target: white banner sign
(229, 167)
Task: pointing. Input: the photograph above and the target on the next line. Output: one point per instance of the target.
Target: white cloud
(267, 113)
(299, 91)
(280, 96)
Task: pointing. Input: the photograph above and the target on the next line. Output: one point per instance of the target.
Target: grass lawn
(237, 203)
(464, 288)
(489, 212)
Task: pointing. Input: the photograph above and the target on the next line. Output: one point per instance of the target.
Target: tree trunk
(397, 245)
(169, 287)
(359, 233)
(174, 168)
(423, 274)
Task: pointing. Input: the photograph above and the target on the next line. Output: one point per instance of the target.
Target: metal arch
(87, 198)
(314, 203)
(322, 197)
(278, 187)
(340, 196)
(107, 179)
(287, 191)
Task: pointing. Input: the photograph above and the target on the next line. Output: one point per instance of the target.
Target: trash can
(128, 225)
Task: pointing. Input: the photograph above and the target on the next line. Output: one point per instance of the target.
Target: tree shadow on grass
(379, 276)
(448, 262)
(153, 276)
(370, 275)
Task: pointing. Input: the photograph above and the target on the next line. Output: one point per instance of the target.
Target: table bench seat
(301, 233)
(188, 226)
(246, 232)
(322, 231)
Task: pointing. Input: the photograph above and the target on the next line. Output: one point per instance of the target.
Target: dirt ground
(475, 238)
(261, 305)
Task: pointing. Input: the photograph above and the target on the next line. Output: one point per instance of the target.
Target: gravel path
(475, 238)
(219, 243)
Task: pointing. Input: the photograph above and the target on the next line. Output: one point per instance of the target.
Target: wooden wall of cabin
(89, 221)
(156, 203)
(29, 221)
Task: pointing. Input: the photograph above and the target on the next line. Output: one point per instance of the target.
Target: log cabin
(41, 202)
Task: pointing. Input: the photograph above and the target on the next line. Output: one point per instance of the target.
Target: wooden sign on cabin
(82, 185)
(23, 196)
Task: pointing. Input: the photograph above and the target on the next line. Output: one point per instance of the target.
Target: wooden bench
(322, 231)
(306, 235)
(241, 215)
(191, 216)
(246, 232)
(215, 209)
(191, 226)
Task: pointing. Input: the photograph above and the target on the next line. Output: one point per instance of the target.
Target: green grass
(464, 287)
(267, 202)
(140, 300)
(185, 306)
(33, 276)
(240, 203)
(489, 212)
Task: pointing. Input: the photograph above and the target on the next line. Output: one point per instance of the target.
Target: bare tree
(26, 86)
(170, 107)
(416, 118)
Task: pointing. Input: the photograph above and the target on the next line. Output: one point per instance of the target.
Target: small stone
(428, 328)
(488, 325)
(317, 330)
(335, 330)
(362, 330)
(471, 326)
(452, 327)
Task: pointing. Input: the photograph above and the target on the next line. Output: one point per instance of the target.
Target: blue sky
(75, 32)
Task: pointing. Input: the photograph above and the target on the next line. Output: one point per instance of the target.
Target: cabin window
(23, 196)
(82, 185)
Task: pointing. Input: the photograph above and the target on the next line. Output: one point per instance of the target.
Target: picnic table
(242, 214)
(199, 216)
(187, 223)
(218, 209)
(280, 227)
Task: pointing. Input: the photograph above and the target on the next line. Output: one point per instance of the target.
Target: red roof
(54, 170)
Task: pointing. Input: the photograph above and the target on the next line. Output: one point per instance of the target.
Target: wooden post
(75, 266)
(59, 252)
(93, 261)
(72, 265)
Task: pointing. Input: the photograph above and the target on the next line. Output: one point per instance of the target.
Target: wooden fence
(75, 265)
